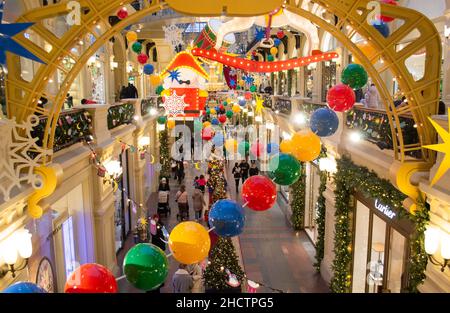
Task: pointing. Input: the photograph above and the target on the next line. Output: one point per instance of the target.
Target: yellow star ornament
(442, 147)
(259, 105)
(143, 221)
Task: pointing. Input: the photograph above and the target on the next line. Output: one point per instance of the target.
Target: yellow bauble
(241, 83)
(189, 242)
(203, 94)
(155, 80)
(236, 109)
(165, 92)
(170, 124)
(286, 146)
(306, 146)
(273, 51)
(231, 145)
(206, 124)
(132, 36)
(212, 111)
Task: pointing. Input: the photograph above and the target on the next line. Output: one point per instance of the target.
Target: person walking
(254, 170)
(182, 282)
(201, 183)
(371, 97)
(237, 175)
(244, 170)
(157, 233)
(183, 206)
(198, 200)
(180, 171)
(196, 272)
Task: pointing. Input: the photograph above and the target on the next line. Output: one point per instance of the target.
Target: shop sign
(386, 210)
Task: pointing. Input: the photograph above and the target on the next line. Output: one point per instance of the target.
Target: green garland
(164, 156)
(289, 81)
(418, 258)
(320, 220)
(348, 178)
(298, 201)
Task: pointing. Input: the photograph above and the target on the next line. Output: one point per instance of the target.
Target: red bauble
(222, 119)
(207, 133)
(142, 58)
(254, 53)
(259, 193)
(385, 18)
(222, 107)
(122, 14)
(91, 278)
(280, 34)
(341, 98)
(257, 149)
(248, 96)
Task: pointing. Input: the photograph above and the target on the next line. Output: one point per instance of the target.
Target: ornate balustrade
(152, 102)
(120, 114)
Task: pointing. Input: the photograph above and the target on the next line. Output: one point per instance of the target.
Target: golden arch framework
(423, 95)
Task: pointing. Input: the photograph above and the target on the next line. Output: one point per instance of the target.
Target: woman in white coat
(196, 272)
(372, 97)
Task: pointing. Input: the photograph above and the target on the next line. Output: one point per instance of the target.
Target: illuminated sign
(227, 7)
(385, 209)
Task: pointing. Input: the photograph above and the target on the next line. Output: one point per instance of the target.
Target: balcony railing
(283, 105)
(148, 104)
(73, 126)
(120, 114)
(374, 126)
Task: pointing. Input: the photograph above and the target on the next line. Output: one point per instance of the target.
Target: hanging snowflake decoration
(249, 79)
(173, 35)
(174, 104)
(19, 155)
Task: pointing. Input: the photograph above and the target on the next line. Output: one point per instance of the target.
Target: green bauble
(270, 58)
(159, 89)
(244, 148)
(253, 88)
(137, 47)
(229, 114)
(225, 103)
(208, 111)
(355, 76)
(162, 120)
(238, 88)
(146, 266)
(284, 169)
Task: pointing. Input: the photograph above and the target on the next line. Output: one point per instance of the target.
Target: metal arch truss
(423, 95)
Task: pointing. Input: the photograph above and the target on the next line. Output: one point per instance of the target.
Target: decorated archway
(351, 19)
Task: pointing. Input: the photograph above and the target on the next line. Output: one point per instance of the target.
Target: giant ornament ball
(122, 14)
(341, 98)
(162, 120)
(155, 80)
(146, 266)
(242, 102)
(189, 242)
(24, 287)
(132, 37)
(91, 278)
(170, 124)
(382, 27)
(284, 169)
(259, 193)
(355, 76)
(306, 145)
(137, 47)
(149, 69)
(229, 114)
(215, 121)
(142, 58)
(227, 217)
(236, 109)
(207, 133)
(222, 119)
(324, 122)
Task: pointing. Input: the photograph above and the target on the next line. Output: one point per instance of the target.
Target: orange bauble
(306, 146)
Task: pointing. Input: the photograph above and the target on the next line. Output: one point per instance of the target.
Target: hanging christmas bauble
(382, 27)
(155, 80)
(306, 145)
(276, 42)
(270, 58)
(229, 114)
(253, 88)
(137, 47)
(248, 96)
(189, 242)
(236, 109)
(206, 124)
(284, 169)
(273, 51)
(280, 34)
(355, 76)
(215, 121)
(122, 13)
(207, 133)
(159, 89)
(222, 119)
(148, 69)
(132, 37)
(171, 124)
(387, 18)
(324, 122)
(242, 102)
(259, 193)
(142, 58)
(227, 217)
(91, 278)
(341, 98)
(23, 287)
(162, 120)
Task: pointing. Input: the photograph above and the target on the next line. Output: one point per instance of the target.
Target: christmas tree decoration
(306, 146)
(341, 98)
(229, 114)
(207, 124)
(215, 121)
(284, 169)
(242, 102)
(355, 76)
(324, 122)
(227, 217)
(173, 35)
(146, 266)
(259, 193)
(159, 89)
(122, 13)
(142, 58)
(189, 242)
(23, 287)
(171, 124)
(253, 88)
(91, 278)
(236, 109)
(276, 42)
(136, 47)
(174, 104)
(270, 58)
(297, 202)
(248, 96)
(164, 156)
(443, 148)
(223, 256)
(132, 37)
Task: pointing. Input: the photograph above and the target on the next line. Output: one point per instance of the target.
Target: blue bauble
(215, 121)
(218, 140)
(382, 27)
(227, 217)
(148, 69)
(217, 108)
(276, 42)
(324, 122)
(24, 287)
(242, 102)
(273, 148)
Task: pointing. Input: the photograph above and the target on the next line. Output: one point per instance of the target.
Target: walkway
(272, 252)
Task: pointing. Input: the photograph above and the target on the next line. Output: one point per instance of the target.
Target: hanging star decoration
(249, 79)
(143, 221)
(259, 105)
(174, 104)
(232, 83)
(442, 147)
(174, 75)
(7, 31)
(260, 33)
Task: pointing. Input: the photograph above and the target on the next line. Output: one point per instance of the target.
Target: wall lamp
(433, 239)
(18, 244)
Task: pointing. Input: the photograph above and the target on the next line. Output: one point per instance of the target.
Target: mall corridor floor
(272, 253)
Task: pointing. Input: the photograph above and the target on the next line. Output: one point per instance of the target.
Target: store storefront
(381, 241)
(311, 196)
